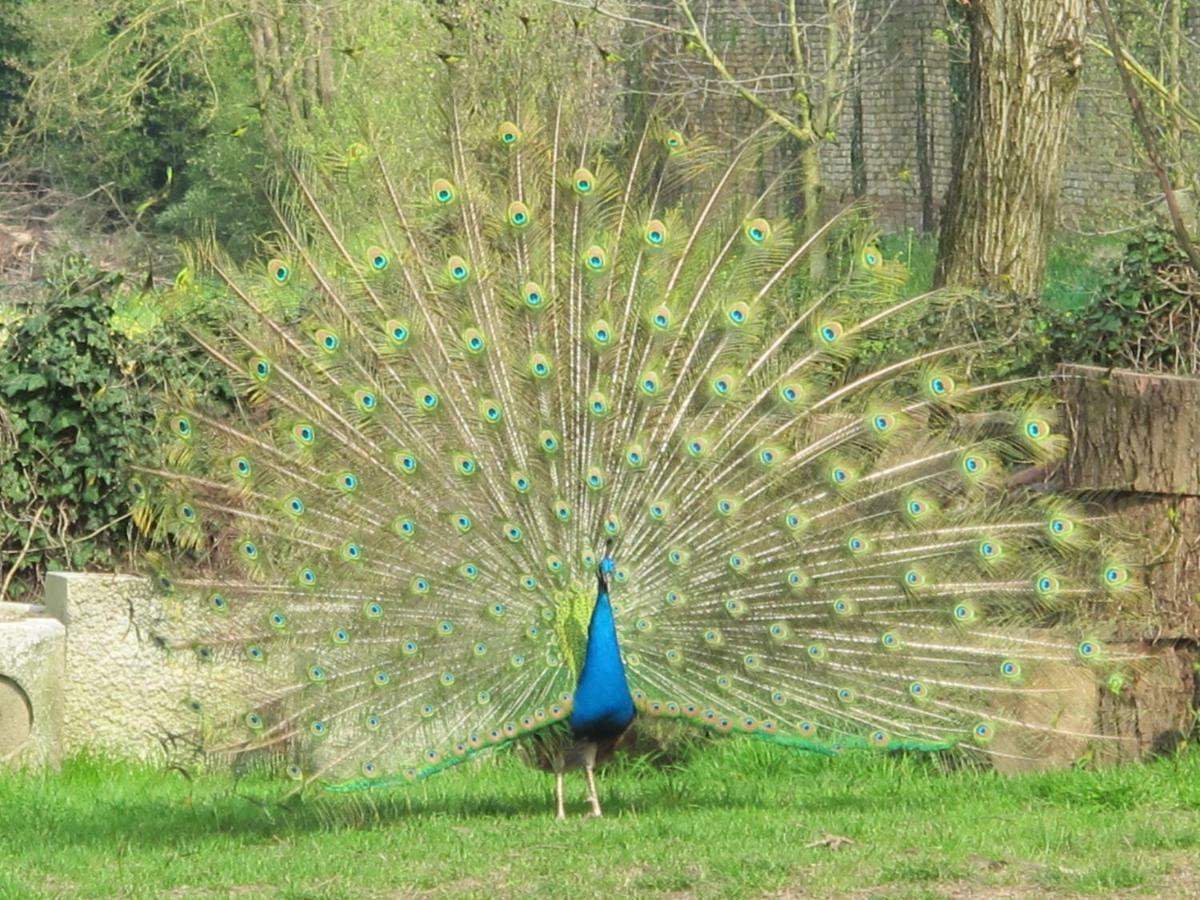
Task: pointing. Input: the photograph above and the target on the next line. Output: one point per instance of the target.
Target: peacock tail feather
(456, 385)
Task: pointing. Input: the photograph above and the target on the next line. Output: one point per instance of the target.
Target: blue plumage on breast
(603, 706)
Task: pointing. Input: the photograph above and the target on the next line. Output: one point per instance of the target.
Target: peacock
(559, 434)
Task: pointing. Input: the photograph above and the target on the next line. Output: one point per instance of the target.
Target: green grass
(740, 818)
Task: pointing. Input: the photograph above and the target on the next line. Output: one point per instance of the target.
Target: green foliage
(15, 56)
(1134, 304)
(1146, 313)
(78, 380)
(71, 421)
(737, 818)
(114, 100)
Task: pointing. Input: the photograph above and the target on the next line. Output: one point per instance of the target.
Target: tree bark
(1024, 71)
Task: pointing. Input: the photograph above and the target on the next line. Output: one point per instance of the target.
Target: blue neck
(603, 705)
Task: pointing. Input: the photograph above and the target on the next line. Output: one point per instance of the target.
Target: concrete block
(119, 695)
(130, 677)
(32, 666)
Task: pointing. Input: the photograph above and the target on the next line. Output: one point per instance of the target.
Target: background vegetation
(133, 128)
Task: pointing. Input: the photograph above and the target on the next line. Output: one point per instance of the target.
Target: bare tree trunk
(325, 62)
(814, 214)
(1025, 61)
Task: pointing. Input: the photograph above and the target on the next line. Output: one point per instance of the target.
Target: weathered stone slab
(120, 696)
(1130, 431)
(31, 703)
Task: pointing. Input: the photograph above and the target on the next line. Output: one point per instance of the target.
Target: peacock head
(607, 567)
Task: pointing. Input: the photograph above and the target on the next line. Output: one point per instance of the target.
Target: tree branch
(1153, 154)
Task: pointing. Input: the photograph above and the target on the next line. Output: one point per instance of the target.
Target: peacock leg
(589, 767)
(592, 796)
(558, 790)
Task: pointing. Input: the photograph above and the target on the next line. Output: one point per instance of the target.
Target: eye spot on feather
(583, 181)
(427, 399)
(965, 613)
(831, 333)
(328, 340)
(378, 258)
(458, 269)
(1115, 576)
(757, 231)
(279, 271)
(941, 385)
(518, 214)
(397, 332)
(843, 606)
(304, 434)
(797, 580)
(444, 192)
(532, 295)
(508, 134)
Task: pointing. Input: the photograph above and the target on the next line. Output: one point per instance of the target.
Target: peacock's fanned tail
(454, 387)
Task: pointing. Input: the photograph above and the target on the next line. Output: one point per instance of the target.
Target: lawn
(738, 818)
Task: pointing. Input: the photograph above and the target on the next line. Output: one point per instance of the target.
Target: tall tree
(1026, 56)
